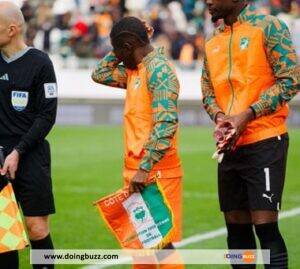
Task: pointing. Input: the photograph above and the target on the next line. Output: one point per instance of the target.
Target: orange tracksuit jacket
(150, 114)
(251, 64)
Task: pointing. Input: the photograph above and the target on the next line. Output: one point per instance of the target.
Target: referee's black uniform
(28, 105)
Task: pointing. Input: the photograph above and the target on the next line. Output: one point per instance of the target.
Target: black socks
(9, 260)
(270, 238)
(45, 243)
(241, 236)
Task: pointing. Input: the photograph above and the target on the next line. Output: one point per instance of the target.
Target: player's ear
(12, 30)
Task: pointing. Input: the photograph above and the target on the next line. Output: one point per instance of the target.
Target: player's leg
(9, 260)
(267, 230)
(240, 233)
(145, 266)
(128, 174)
(265, 185)
(171, 260)
(165, 260)
(234, 203)
(37, 227)
(172, 188)
(34, 192)
(38, 232)
(39, 235)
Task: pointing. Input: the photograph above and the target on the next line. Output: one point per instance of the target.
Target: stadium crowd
(81, 27)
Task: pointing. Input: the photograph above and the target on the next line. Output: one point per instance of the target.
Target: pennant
(138, 220)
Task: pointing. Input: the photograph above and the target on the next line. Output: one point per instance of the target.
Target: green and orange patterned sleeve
(164, 86)
(110, 72)
(283, 60)
(208, 95)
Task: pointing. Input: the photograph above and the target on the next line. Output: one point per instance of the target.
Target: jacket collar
(150, 56)
(247, 13)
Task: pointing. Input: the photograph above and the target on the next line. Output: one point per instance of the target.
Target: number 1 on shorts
(267, 174)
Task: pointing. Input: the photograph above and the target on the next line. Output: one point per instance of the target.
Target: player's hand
(220, 118)
(137, 183)
(239, 121)
(11, 165)
(149, 29)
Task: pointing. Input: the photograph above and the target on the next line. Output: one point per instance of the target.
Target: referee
(250, 74)
(28, 104)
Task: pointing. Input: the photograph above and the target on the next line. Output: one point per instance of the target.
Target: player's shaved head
(12, 25)
(10, 14)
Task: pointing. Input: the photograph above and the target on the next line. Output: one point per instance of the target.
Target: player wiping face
(130, 48)
(126, 46)
(152, 89)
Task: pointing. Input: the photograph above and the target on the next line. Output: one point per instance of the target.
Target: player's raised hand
(149, 29)
(137, 184)
(11, 163)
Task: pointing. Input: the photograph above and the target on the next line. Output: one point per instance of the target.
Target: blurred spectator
(27, 11)
(81, 28)
(103, 22)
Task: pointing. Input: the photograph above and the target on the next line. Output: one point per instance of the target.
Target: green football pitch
(87, 164)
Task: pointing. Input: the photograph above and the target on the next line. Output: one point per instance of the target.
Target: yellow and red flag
(12, 232)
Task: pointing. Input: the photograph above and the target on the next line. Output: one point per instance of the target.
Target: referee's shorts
(33, 183)
(252, 177)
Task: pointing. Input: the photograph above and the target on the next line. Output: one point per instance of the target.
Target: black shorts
(33, 184)
(252, 176)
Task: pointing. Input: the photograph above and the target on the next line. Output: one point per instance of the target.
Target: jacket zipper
(230, 70)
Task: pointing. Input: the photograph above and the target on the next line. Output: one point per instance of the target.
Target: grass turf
(87, 164)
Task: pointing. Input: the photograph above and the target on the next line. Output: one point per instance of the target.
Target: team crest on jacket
(244, 43)
(137, 83)
(19, 100)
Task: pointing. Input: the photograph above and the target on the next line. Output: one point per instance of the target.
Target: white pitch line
(289, 213)
(204, 236)
(200, 237)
